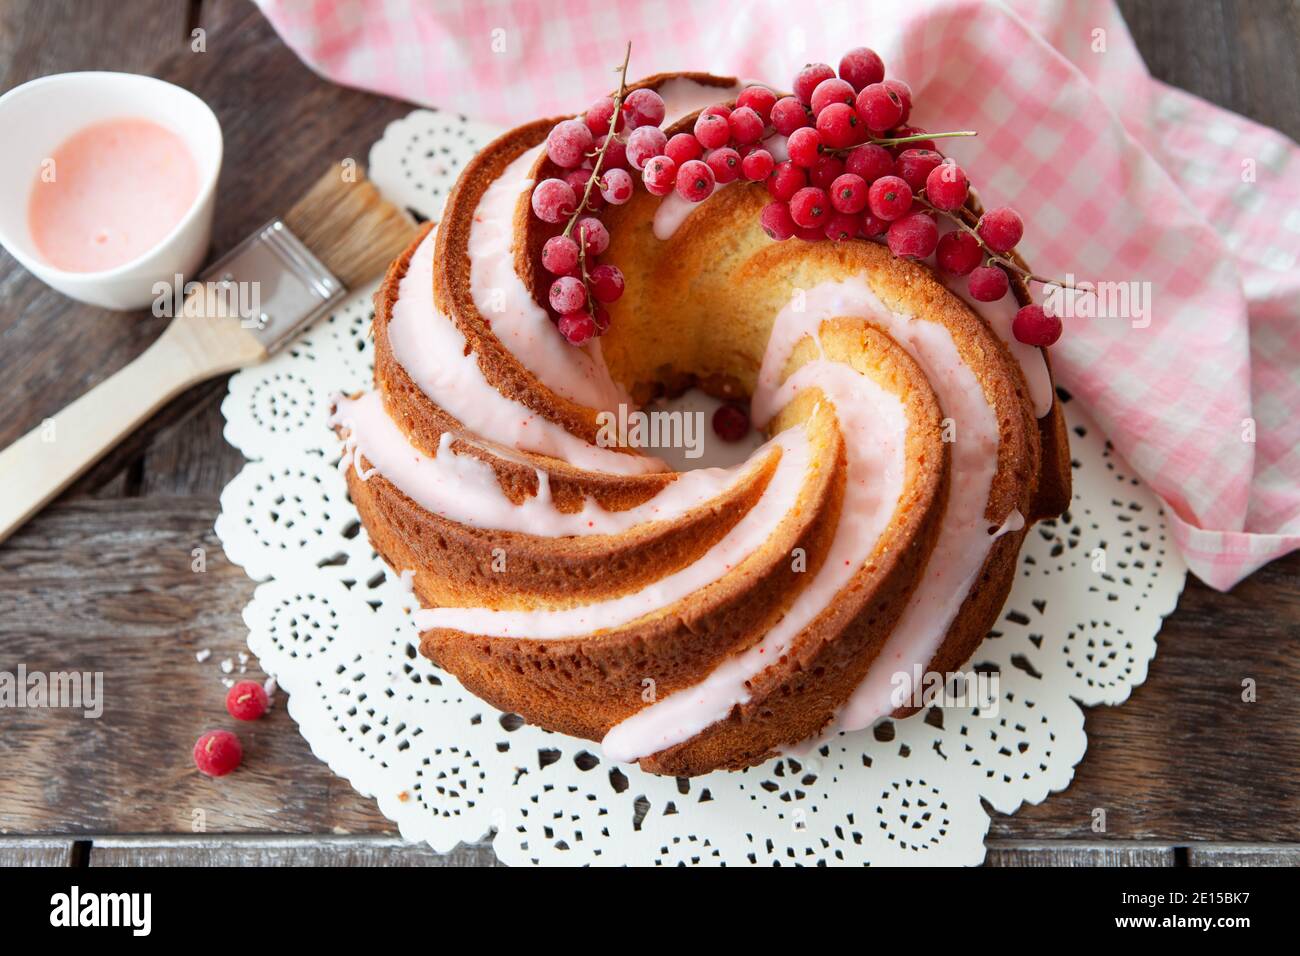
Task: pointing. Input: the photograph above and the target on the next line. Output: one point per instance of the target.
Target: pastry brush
(340, 235)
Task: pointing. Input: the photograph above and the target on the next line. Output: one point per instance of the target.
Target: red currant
(577, 180)
(914, 236)
(246, 700)
(643, 108)
(811, 233)
(1033, 326)
(1000, 228)
(861, 67)
(904, 94)
(903, 131)
(759, 99)
(787, 179)
(946, 187)
(615, 156)
(731, 423)
(806, 82)
(712, 130)
(553, 200)
(832, 91)
(606, 283)
(788, 115)
(849, 193)
(839, 126)
(217, 752)
(695, 181)
(725, 163)
(870, 161)
(682, 148)
(958, 253)
(810, 207)
(842, 226)
(871, 225)
(593, 235)
(598, 116)
(560, 255)
(988, 284)
(879, 107)
(804, 146)
(825, 171)
(600, 316)
(746, 125)
(777, 221)
(578, 328)
(645, 143)
(889, 198)
(757, 165)
(618, 186)
(660, 175)
(914, 166)
(568, 142)
(568, 294)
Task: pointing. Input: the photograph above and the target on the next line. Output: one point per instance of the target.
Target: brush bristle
(353, 230)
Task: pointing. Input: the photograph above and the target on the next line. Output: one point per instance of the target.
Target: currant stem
(918, 137)
(609, 138)
(995, 256)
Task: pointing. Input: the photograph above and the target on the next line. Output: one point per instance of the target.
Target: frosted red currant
(560, 255)
(606, 282)
(731, 423)
(660, 175)
(946, 187)
(958, 253)
(810, 207)
(899, 132)
(757, 165)
(615, 155)
(553, 200)
(861, 67)
(578, 328)
(914, 236)
(786, 180)
(746, 125)
(825, 171)
(810, 233)
(870, 161)
(718, 109)
(712, 130)
(833, 90)
(759, 99)
(849, 193)
(682, 148)
(725, 163)
(695, 181)
(988, 284)
(808, 79)
(879, 107)
(871, 225)
(841, 227)
(217, 753)
(904, 94)
(618, 186)
(598, 116)
(567, 294)
(568, 142)
(593, 235)
(1033, 326)
(777, 221)
(600, 316)
(788, 115)
(914, 166)
(839, 126)
(1001, 228)
(644, 144)
(643, 108)
(889, 198)
(804, 146)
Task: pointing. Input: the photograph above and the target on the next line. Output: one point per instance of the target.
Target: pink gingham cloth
(1119, 178)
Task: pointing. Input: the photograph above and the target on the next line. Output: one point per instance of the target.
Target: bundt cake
(704, 619)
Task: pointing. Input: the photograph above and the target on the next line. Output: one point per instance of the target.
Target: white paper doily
(332, 624)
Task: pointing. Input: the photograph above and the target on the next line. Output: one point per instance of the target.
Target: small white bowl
(39, 116)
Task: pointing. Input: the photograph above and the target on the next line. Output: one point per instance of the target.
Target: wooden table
(1188, 774)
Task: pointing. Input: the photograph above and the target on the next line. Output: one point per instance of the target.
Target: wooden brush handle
(54, 454)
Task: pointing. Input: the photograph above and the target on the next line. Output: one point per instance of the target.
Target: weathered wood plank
(1210, 854)
(281, 851)
(1004, 853)
(35, 851)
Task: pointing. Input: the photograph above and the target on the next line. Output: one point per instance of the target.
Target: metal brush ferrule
(292, 286)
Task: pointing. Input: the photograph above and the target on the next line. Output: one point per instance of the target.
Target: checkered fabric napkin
(1120, 179)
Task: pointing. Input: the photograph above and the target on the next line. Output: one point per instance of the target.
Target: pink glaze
(465, 489)
(743, 540)
(114, 191)
(874, 426)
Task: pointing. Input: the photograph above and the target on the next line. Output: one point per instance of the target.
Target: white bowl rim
(41, 268)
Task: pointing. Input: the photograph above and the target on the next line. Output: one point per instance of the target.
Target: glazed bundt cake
(704, 619)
